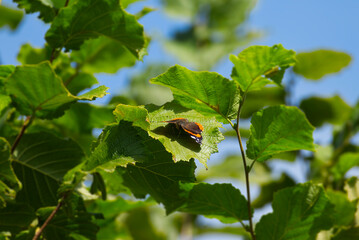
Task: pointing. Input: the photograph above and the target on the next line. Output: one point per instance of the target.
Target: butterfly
(194, 129)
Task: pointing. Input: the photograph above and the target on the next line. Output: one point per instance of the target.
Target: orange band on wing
(199, 125)
(193, 134)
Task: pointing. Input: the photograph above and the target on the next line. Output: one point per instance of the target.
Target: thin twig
(67, 3)
(246, 170)
(26, 123)
(38, 233)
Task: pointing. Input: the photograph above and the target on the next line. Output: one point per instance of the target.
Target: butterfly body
(194, 129)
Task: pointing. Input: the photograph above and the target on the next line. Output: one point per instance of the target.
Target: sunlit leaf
(135, 114)
(10, 17)
(299, 212)
(320, 110)
(91, 19)
(221, 201)
(255, 66)
(315, 65)
(37, 89)
(278, 129)
(41, 160)
(179, 142)
(206, 92)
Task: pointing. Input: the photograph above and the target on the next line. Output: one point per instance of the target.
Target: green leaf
(206, 92)
(299, 212)
(221, 201)
(256, 100)
(255, 66)
(178, 142)
(344, 210)
(16, 217)
(81, 82)
(158, 175)
(10, 17)
(278, 129)
(315, 65)
(269, 188)
(103, 55)
(41, 161)
(48, 9)
(135, 114)
(118, 145)
(320, 110)
(346, 161)
(91, 19)
(8, 181)
(37, 89)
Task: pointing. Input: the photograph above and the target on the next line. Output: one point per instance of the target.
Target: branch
(27, 122)
(52, 215)
(246, 170)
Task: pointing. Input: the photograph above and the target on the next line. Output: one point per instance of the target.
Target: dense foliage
(59, 180)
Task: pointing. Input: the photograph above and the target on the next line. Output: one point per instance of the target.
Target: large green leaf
(254, 66)
(5, 72)
(345, 162)
(91, 19)
(40, 162)
(118, 145)
(135, 114)
(278, 129)
(222, 201)
(157, 174)
(299, 213)
(320, 110)
(10, 17)
(48, 9)
(8, 181)
(315, 65)
(178, 142)
(37, 89)
(16, 217)
(103, 55)
(206, 92)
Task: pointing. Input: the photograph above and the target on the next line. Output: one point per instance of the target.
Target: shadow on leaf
(177, 134)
